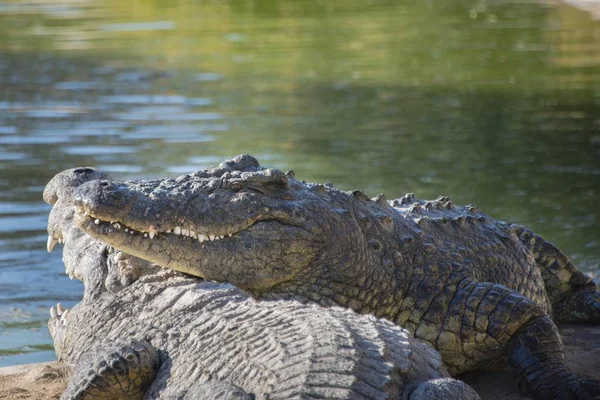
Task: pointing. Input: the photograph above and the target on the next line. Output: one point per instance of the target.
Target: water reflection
(493, 103)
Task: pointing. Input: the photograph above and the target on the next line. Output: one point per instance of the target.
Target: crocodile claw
(586, 306)
(581, 306)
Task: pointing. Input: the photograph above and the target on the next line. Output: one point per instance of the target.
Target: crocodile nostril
(83, 170)
(104, 183)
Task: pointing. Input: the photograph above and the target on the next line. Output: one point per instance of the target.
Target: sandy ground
(582, 353)
(582, 347)
(42, 381)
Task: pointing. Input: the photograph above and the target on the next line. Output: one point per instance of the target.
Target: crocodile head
(237, 222)
(86, 259)
(104, 271)
(96, 264)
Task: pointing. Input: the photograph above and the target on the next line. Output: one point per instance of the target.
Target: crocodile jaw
(257, 258)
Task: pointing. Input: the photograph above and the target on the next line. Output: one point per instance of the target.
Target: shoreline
(20, 368)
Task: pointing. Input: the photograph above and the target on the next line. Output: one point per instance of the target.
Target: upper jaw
(124, 207)
(86, 219)
(117, 207)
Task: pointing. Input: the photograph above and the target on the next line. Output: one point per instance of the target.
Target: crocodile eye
(237, 186)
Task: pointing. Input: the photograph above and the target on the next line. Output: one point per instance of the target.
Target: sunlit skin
(474, 288)
(142, 331)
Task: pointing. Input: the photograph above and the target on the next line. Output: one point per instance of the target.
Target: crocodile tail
(574, 296)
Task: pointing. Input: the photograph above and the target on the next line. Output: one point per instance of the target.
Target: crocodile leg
(574, 296)
(114, 371)
(536, 355)
(481, 321)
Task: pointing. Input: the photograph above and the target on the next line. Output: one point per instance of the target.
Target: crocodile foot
(536, 354)
(584, 306)
(114, 371)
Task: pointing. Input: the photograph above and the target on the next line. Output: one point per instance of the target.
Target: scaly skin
(142, 331)
(471, 286)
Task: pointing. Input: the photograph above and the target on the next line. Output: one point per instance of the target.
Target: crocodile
(476, 289)
(142, 331)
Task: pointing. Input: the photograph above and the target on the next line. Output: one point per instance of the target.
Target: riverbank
(582, 355)
(42, 381)
(46, 381)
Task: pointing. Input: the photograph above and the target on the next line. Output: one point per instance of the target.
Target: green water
(493, 103)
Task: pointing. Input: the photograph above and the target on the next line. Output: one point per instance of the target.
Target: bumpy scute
(216, 342)
(451, 275)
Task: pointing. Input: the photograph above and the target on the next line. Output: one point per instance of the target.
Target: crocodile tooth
(211, 237)
(192, 234)
(145, 234)
(221, 237)
(126, 229)
(117, 225)
(97, 221)
(60, 308)
(230, 234)
(184, 232)
(64, 322)
(177, 230)
(53, 313)
(64, 315)
(201, 237)
(51, 243)
(71, 276)
(151, 234)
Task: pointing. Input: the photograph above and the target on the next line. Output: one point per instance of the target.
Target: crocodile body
(142, 331)
(474, 288)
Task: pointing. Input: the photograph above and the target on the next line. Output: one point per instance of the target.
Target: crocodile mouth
(88, 221)
(104, 230)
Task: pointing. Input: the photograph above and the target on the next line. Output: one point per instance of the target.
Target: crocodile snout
(103, 198)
